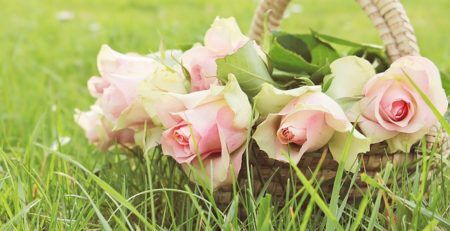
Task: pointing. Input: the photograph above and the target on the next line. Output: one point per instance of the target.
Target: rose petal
(89, 121)
(148, 138)
(172, 148)
(369, 106)
(395, 92)
(164, 106)
(209, 142)
(127, 86)
(133, 115)
(133, 66)
(202, 67)
(272, 100)
(163, 80)
(419, 63)
(265, 137)
(218, 41)
(236, 164)
(436, 93)
(124, 137)
(374, 131)
(318, 133)
(234, 137)
(96, 86)
(423, 116)
(299, 120)
(113, 103)
(224, 37)
(335, 116)
(203, 116)
(213, 170)
(194, 99)
(349, 73)
(359, 144)
(238, 102)
(404, 141)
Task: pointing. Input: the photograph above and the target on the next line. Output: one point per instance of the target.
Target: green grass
(52, 185)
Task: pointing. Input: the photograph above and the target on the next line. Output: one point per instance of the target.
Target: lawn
(52, 179)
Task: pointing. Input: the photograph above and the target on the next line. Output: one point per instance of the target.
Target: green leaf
(376, 57)
(301, 53)
(295, 44)
(248, 68)
(305, 81)
(344, 42)
(291, 54)
(186, 73)
(185, 47)
(289, 80)
(327, 80)
(373, 53)
(317, 77)
(323, 55)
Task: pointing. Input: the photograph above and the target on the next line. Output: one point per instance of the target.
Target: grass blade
(315, 196)
(102, 184)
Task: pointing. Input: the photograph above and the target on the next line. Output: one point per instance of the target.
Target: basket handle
(388, 16)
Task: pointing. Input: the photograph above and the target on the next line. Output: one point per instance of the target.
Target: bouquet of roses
(296, 95)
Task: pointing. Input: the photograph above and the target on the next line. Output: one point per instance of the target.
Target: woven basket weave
(389, 18)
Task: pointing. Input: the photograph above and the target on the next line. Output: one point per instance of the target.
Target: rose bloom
(116, 88)
(201, 65)
(222, 39)
(392, 109)
(304, 120)
(207, 131)
(117, 91)
(121, 75)
(104, 134)
(98, 129)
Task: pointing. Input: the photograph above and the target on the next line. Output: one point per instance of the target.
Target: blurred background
(49, 47)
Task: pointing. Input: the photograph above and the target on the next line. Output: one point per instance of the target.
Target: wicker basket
(397, 34)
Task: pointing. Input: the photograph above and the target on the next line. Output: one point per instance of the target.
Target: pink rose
(99, 131)
(304, 120)
(116, 89)
(201, 65)
(393, 110)
(222, 39)
(207, 129)
(97, 85)
(104, 134)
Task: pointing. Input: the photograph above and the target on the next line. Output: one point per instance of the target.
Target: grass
(51, 179)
